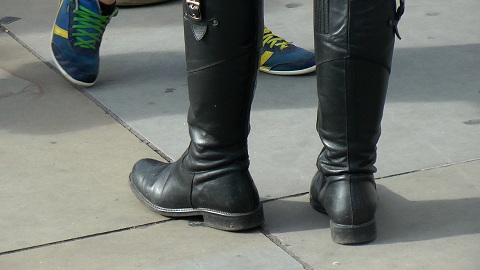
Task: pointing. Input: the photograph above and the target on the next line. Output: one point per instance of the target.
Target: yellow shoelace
(273, 40)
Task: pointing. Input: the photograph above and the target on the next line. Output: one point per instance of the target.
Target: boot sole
(212, 218)
(349, 234)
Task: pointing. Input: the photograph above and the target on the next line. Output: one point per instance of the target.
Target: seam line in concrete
(278, 242)
(90, 97)
(143, 226)
(430, 168)
(124, 124)
(286, 197)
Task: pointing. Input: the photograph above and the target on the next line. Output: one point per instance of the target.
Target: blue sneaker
(280, 57)
(76, 37)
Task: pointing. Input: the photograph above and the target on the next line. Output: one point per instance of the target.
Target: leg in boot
(211, 179)
(353, 44)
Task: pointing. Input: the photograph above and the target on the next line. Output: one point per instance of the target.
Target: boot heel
(234, 221)
(353, 234)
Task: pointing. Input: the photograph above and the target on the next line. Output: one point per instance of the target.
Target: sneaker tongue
(93, 6)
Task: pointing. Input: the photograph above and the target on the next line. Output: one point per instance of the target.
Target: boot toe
(144, 178)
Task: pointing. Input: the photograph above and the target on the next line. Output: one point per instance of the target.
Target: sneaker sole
(212, 218)
(67, 76)
(290, 73)
(349, 234)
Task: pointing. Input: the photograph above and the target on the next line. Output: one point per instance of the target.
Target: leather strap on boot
(398, 15)
(193, 13)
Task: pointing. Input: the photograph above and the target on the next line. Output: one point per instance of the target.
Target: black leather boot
(354, 42)
(211, 179)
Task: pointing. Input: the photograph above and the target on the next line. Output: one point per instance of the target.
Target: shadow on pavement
(398, 219)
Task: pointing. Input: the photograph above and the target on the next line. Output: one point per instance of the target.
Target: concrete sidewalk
(65, 152)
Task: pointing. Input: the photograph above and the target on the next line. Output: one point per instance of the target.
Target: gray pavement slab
(426, 220)
(170, 245)
(64, 163)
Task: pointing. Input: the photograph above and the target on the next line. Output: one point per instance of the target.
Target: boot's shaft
(222, 67)
(351, 97)
(354, 43)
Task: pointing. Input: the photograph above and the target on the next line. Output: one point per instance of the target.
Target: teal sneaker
(76, 38)
(280, 57)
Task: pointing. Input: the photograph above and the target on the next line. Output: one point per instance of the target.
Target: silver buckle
(193, 10)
